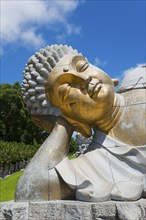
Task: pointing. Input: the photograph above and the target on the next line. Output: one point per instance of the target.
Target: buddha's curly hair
(35, 77)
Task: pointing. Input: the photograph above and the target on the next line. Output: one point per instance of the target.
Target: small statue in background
(66, 93)
(82, 143)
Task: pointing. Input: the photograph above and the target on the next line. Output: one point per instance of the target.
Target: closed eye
(80, 63)
(82, 67)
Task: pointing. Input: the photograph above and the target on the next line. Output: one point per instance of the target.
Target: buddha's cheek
(85, 113)
(105, 95)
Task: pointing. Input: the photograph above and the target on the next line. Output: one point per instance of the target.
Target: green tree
(73, 146)
(15, 120)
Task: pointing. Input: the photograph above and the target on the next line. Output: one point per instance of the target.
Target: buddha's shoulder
(134, 79)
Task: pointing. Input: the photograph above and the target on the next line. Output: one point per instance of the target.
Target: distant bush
(73, 147)
(14, 156)
(12, 152)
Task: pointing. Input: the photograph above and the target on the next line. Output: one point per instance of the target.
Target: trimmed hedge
(12, 152)
(14, 156)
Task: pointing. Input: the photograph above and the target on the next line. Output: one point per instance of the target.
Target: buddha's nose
(85, 82)
(74, 78)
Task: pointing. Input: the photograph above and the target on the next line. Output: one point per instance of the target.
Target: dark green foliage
(73, 146)
(12, 152)
(15, 156)
(19, 137)
(15, 119)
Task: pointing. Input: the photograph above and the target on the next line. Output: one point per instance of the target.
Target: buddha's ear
(115, 81)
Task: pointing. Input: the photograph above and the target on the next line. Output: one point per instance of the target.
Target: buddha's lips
(91, 90)
(75, 95)
(94, 89)
(65, 95)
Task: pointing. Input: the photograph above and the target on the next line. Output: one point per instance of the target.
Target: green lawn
(8, 185)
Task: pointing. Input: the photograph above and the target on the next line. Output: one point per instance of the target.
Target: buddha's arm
(35, 181)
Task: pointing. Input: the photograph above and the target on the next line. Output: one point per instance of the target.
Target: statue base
(73, 210)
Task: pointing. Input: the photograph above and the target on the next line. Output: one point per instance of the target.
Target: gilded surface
(66, 93)
(84, 93)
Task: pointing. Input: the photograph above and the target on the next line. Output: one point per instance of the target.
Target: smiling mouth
(97, 88)
(72, 94)
(94, 89)
(67, 92)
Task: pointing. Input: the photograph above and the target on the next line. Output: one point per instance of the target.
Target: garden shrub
(14, 156)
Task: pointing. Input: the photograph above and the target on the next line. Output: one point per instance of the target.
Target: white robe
(110, 170)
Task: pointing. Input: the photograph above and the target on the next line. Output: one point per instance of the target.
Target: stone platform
(73, 210)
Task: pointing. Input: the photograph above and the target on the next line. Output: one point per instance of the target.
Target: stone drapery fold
(110, 170)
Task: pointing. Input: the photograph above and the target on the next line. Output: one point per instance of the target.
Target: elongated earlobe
(115, 81)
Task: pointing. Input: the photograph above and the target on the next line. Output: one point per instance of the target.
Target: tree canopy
(15, 120)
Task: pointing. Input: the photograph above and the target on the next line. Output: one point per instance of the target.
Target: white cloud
(31, 36)
(98, 62)
(125, 72)
(132, 76)
(21, 20)
(70, 29)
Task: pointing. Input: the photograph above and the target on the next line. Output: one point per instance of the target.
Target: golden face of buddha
(83, 92)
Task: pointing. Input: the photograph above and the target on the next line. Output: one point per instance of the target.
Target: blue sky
(111, 34)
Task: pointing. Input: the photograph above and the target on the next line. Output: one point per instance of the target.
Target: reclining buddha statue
(65, 93)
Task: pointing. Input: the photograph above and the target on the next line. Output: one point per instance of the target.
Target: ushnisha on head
(60, 82)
